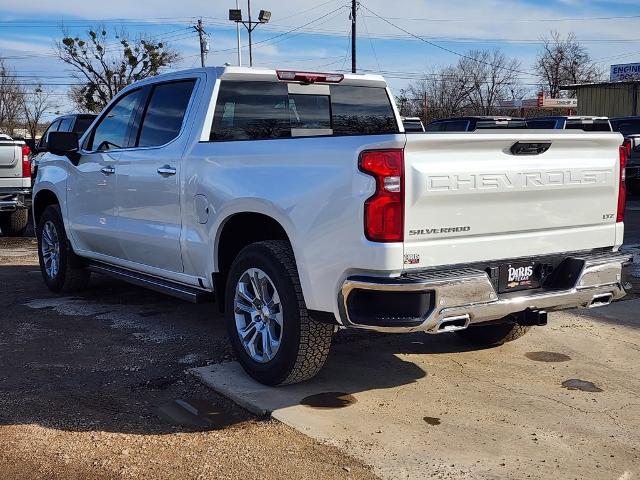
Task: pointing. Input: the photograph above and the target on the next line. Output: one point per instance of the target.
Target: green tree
(104, 68)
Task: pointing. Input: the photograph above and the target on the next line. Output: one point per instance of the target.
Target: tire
(14, 224)
(69, 275)
(302, 343)
(493, 335)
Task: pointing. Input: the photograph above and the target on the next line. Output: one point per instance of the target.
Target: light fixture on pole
(235, 15)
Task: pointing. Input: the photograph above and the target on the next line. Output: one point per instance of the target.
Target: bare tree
(35, 105)
(492, 79)
(104, 69)
(10, 99)
(473, 86)
(562, 61)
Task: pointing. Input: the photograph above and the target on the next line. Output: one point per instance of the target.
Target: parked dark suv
(626, 125)
(470, 124)
(630, 128)
(586, 123)
(76, 122)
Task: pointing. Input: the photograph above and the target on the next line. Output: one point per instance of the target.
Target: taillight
(384, 210)
(26, 164)
(622, 191)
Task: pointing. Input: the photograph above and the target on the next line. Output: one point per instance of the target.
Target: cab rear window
(266, 110)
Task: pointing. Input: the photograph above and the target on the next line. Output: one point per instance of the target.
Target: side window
(456, 126)
(113, 129)
(44, 140)
(251, 111)
(434, 127)
(81, 125)
(542, 124)
(65, 125)
(165, 113)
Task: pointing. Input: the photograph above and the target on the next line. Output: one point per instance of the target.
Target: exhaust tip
(453, 324)
(601, 300)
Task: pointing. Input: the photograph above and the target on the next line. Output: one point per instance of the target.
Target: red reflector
(26, 164)
(309, 77)
(384, 210)
(622, 192)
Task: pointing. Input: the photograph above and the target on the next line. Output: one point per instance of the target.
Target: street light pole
(250, 25)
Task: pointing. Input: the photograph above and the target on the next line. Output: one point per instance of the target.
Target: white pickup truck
(15, 186)
(297, 199)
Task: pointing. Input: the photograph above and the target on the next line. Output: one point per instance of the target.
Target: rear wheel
(14, 224)
(269, 327)
(493, 335)
(61, 269)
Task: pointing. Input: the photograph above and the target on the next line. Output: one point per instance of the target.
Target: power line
(519, 20)
(284, 33)
(444, 48)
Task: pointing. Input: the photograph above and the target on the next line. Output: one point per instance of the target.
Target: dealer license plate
(518, 276)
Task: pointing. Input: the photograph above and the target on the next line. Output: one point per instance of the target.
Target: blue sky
(29, 29)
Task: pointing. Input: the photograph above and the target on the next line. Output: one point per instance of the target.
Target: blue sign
(629, 71)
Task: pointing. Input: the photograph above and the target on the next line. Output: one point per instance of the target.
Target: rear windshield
(596, 126)
(266, 110)
(626, 126)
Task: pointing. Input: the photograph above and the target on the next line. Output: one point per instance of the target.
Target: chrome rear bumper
(466, 296)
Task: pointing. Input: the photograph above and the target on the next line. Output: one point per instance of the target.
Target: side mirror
(62, 143)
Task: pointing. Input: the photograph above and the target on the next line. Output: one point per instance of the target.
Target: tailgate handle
(528, 148)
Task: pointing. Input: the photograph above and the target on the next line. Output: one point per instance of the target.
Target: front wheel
(14, 224)
(493, 335)
(269, 327)
(61, 269)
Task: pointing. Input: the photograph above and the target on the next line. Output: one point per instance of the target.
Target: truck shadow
(114, 358)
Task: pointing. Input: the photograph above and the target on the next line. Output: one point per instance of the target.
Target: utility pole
(238, 37)
(250, 30)
(354, 7)
(203, 45)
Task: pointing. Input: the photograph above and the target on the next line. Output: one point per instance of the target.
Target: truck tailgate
(9, 154)
(470, 199)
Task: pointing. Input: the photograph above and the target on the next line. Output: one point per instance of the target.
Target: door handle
(167, 171)
(108, 170)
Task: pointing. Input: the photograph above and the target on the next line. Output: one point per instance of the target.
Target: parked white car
(300, 203)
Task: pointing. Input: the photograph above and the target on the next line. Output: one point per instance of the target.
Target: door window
(165, 113)
(114, 128)
(456, 126)
(82, 123)
(65, 125)
(44, 140)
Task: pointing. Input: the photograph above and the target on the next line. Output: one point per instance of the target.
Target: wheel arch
(237, 231)
(41, 201)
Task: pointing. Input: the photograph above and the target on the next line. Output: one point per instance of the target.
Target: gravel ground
(95, 386)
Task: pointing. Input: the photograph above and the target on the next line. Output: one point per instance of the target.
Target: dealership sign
(629, 71)
(560, 102)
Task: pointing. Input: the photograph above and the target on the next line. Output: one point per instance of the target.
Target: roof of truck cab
(262, 74)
